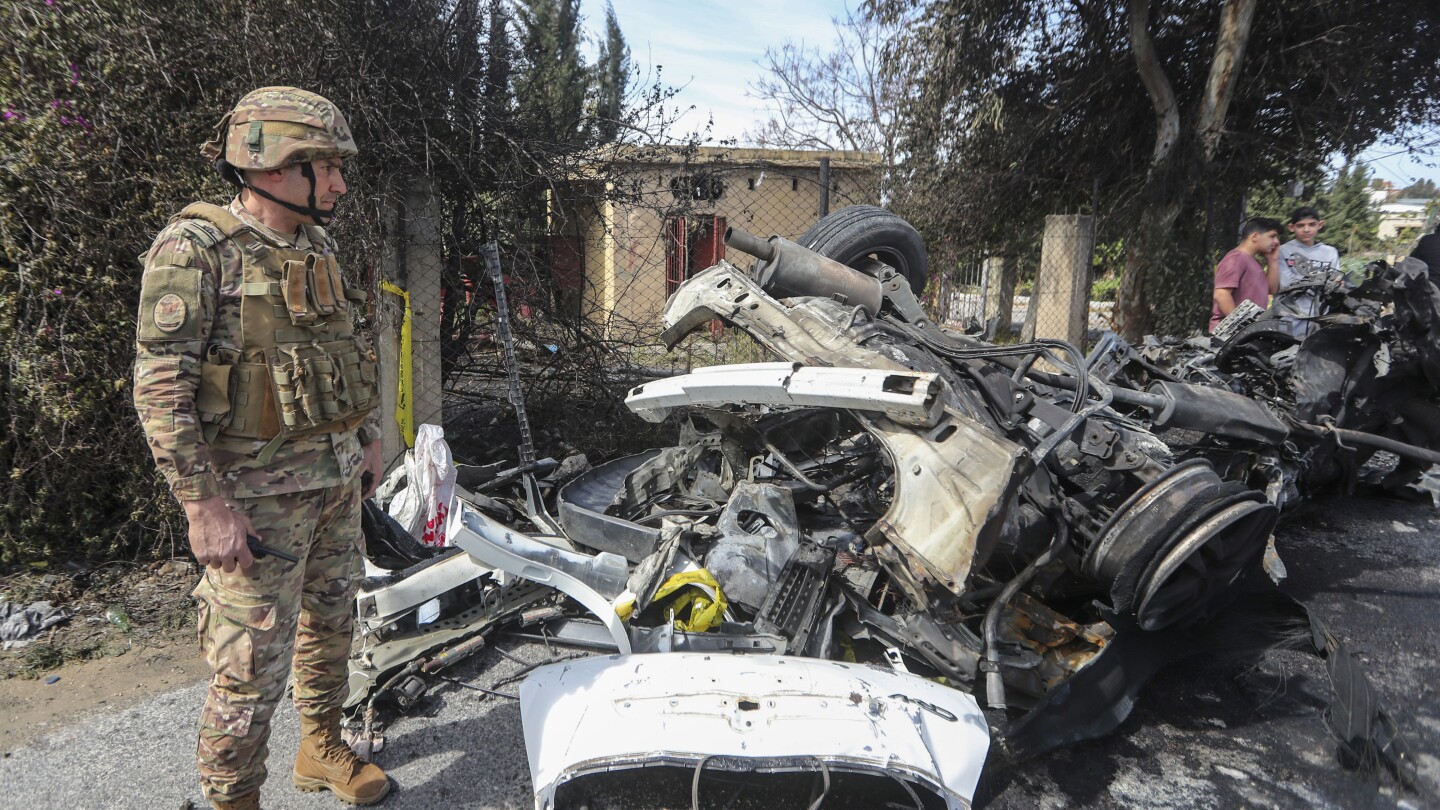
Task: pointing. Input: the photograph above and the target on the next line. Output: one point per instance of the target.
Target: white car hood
(762, 713)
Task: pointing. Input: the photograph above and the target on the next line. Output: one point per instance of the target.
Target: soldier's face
(294, 187)
(329, 182)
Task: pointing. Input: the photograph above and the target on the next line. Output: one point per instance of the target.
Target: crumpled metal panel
(584, 501)
(762, 713)
(952, 483)
(423, 583)
(746, 562)
(591, 581)
(726, 292)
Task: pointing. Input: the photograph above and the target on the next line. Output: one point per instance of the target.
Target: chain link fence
(1050, 292)
(588, 282)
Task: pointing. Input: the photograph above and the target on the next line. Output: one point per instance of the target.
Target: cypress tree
(552, 81)
(1350, 223)
(612, 74)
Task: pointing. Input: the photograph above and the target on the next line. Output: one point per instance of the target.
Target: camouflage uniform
(302, 495)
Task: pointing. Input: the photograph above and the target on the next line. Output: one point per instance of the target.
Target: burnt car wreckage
(852, 547)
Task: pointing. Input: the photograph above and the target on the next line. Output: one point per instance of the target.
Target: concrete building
(621, 246)
(1401, 215)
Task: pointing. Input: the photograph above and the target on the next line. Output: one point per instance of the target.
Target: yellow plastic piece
(404, 404)
(705, 613)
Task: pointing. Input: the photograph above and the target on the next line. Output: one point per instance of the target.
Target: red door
(677, 254)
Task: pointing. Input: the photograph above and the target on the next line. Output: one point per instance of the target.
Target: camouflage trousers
(249, 622)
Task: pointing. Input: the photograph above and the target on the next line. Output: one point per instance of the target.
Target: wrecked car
(897, 549)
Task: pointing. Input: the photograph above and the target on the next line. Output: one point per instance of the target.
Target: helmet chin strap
(321, 217)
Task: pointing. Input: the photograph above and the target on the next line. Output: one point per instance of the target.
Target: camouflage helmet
(275, 127)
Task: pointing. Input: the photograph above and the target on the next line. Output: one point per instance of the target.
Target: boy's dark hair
(1303, 212)
(1259, 225)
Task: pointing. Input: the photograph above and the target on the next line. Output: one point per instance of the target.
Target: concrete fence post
(389, 317)
(997, 311)
(410, 268)
(424, 269)
(1061, 303)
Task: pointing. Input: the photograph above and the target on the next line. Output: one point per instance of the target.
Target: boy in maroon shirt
(1250, 272)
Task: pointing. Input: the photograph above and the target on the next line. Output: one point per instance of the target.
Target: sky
(1388, 161)
(712, 52)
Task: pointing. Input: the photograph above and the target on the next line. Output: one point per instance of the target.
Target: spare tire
(865, 237)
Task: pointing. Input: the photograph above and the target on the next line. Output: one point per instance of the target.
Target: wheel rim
(1206, 562)
(1118, 540)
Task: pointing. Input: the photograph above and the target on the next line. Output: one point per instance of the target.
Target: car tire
(867, 236)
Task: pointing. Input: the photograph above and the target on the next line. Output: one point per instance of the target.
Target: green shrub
(103, 106)
(1104, 288)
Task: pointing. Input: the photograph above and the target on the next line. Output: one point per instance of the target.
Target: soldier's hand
(217, 534)
(374, 465)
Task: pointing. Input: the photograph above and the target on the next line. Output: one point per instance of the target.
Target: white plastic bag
(424, 506)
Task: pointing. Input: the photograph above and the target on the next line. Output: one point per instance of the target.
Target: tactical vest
(298, 368)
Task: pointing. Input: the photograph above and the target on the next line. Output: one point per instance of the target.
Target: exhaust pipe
(791, 270)
(750, 243)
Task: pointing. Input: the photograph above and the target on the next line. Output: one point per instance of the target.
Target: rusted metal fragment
(1064, 647)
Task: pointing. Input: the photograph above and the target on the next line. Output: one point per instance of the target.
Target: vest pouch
(322, 290)
(213, 397)
(294, 288)
(332, 269)
(318, 386)
(255, 415)
(237, 398)
(359, 386)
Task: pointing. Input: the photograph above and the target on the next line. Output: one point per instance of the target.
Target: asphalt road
(1210, 734)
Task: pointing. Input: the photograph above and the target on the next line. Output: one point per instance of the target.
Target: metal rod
(453, 654)
(824, 186)
(507, 342)
(1379, 442)
(473, 687)
(1124, 396)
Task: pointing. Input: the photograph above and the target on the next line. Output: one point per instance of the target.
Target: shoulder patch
(170, 313)
(169, 304)
(180, 242)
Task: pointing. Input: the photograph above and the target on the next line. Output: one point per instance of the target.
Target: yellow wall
(625, 262)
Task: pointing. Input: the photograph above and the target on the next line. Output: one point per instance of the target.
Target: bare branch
(835, 100)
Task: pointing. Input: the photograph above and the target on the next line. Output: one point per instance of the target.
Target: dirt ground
(32, 707)
(132, 634)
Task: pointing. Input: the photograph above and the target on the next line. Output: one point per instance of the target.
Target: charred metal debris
(850, 549)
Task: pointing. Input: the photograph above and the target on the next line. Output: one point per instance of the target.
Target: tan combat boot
(325, 762)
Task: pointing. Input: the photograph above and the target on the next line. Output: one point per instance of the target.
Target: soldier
(258, 401)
